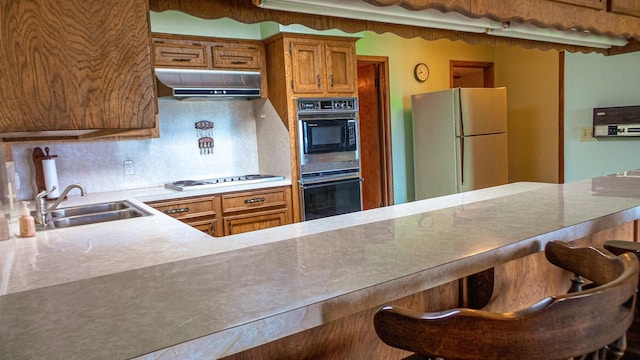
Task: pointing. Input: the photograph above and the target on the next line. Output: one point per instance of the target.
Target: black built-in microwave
(326, 136)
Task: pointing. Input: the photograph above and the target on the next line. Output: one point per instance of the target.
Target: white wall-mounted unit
(616, 121)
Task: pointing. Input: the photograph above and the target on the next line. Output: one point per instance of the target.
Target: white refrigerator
(459, 140)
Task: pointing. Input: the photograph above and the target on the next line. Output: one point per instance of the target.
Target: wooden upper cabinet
(594, 4)
(186, 51)
(232, 55)
(183, 55)
(625, 7)
(77, 66)
(307, 68)
(322, 66)
(341, 62)
(203, 52)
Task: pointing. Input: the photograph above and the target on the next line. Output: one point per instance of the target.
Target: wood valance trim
(558, 14)
(246, 11)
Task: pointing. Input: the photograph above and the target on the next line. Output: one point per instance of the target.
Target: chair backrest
(557, 327)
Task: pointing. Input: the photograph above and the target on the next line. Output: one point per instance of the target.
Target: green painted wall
(598, 81)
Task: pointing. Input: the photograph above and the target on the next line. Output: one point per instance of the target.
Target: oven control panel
(329, 104)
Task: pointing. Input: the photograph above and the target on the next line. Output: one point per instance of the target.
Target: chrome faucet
(41, 206)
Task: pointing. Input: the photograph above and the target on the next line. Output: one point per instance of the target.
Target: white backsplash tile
(98, 165)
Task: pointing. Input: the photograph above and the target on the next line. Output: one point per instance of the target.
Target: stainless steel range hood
(208, 84)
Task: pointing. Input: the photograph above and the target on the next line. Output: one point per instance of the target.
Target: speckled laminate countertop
(155, 286)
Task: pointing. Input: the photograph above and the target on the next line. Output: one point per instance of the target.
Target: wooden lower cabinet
(198, 211)
(250, 222)
(231, 213)
(255, 210)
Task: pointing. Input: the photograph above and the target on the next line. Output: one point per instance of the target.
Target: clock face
(421, 72)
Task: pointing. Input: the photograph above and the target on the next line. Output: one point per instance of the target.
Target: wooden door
(306, 67)
(375, 132)
(369, 137)
(340, 61)
(471, 74)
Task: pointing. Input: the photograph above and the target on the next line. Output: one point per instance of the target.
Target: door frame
(386, 166)
(487, 70)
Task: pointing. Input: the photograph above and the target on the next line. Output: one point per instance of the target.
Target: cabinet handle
(332, 80)
(230, 228)
(176, 211)
(181, 60)
(212, 228)
(318, 81)
(254, 200)
(239, 62)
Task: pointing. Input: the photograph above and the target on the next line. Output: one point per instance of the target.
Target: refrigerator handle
(461, 137)
(461, 160)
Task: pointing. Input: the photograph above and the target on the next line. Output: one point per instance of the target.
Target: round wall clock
(421, 72)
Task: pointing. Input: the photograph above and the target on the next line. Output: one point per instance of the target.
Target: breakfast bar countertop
(154, 288)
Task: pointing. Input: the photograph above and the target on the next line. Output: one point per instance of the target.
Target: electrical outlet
(128, 167)
(586, 134)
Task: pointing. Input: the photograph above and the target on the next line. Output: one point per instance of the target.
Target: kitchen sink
(93, 214)
(90, 209)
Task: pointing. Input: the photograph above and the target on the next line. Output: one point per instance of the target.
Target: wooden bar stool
(591, 321)
(633, 334)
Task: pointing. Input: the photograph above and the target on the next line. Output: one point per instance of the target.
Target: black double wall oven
(330, 181)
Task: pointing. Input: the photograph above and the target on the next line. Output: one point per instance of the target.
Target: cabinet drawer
(186, 208)
(236, 57)
(253, 200)
(180, 55)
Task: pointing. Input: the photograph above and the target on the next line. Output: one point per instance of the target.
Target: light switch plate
(586, 134)
(128, 167)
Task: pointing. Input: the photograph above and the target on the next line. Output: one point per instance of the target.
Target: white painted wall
(98, 165)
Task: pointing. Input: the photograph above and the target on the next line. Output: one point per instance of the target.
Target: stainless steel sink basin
(90, 209)
(93, 214)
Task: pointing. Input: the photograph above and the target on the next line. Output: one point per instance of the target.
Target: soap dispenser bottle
(27, 223)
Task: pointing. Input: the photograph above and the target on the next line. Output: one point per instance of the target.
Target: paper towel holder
(37, 156)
